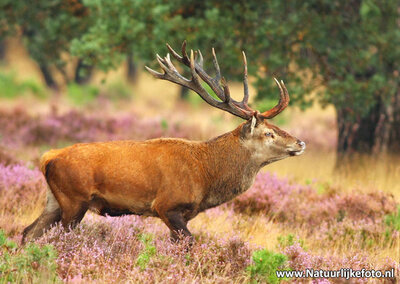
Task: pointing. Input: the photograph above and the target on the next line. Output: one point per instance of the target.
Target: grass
(31, 263)
(11, 87)
(265, 264)
(365, 173)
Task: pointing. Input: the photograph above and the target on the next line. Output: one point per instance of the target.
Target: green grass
(118, 91)
(148, 252)
(30, 264)
(265, 264)
(11, 87)
(82, 94)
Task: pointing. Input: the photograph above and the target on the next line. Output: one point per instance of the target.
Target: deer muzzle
(297, 148)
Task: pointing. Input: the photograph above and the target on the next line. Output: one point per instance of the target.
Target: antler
(282, 104)
(217, 83)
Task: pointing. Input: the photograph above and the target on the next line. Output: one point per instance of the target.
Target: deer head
(267, 142)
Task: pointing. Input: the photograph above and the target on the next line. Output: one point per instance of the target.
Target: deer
(169, 178)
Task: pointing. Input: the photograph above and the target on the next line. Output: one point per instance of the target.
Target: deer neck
(230, 169)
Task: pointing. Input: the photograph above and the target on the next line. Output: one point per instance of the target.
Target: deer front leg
(174, 219)
(177, 225)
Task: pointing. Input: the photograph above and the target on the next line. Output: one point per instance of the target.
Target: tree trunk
(2, 49)
(394, 132)
(132, 70)
(83, 72)
(376, 133)
(48, 77)
(357, 136)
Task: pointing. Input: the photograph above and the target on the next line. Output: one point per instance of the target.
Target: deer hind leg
(73, 211)
(50, 216)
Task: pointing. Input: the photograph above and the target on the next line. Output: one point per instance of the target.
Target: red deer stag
(173, 179)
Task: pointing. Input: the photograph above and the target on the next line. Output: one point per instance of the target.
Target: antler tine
(184, 54)
(174, 53)
(167, 60)
(200, 61)
(227, 92)
(245, 81)
(162, 63)
(216, 66)
(244, 103)
(154, 73)
(282, 104)
(195, 76)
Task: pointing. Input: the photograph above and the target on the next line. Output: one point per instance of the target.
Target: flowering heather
(137, 249)
(329, 216)
(21, 189)
(17, 127)
(299, 204)
(108, 249)
(299, 259)
(6, 158)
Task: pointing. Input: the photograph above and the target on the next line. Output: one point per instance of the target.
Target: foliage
(11, 87)
(265, 264)
(148, 251)
(32, 263)
(47, 28)
(315, 34)
(289, 240)
(393, 220)
(118, 91)
(82, 94)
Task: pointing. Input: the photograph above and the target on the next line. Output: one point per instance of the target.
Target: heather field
(302, 212)
(299, 213)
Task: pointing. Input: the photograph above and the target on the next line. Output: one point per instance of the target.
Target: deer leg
(176, 222)
(73, 215)
(73, 211)
(50, 216)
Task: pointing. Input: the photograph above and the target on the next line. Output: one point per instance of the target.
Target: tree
(47, 29)
(353, 47)
(350, 47)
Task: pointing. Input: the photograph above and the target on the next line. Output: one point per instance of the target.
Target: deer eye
(269, 134)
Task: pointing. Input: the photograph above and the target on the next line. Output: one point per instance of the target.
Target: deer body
(135, 177)
(173, 179)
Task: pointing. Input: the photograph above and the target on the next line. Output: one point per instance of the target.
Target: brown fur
(173, 179)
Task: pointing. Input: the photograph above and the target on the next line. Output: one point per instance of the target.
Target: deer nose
(301, 143)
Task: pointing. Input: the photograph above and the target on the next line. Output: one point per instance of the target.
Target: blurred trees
(353, 47)
(47, 28)
(350, 48)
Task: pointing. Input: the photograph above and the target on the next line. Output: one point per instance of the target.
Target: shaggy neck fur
(230, 169)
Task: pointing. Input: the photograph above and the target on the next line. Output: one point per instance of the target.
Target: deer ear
(248, 127)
